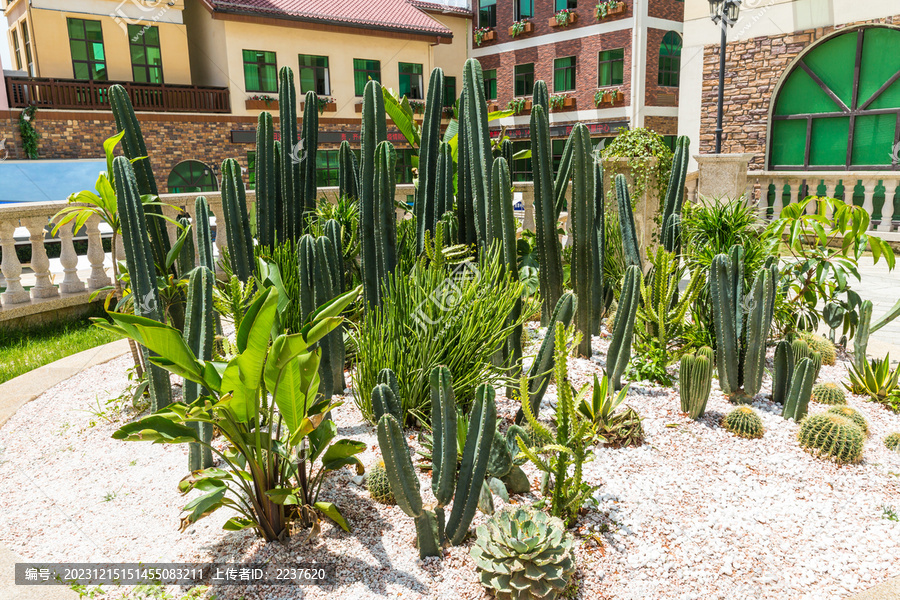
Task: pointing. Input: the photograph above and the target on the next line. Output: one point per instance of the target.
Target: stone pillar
(723, 175)
(12, 268)
(646, 206)
(40, 264)
(69, 259)
(96, 255)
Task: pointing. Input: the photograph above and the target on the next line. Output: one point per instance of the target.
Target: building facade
(610, 64)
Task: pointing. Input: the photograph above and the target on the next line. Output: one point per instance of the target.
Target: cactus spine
(237, 223)
(426, 205)
(199, 334)
(266, 192)
(374, 131)
(744, 422)
(291, 174)
(626, 223)
(796, 402)
(695, 381)
(478, 145)
(583, 230)
(348, 172)
(465, 488)
(671, 221)
(548, 246)
(623, 330)
(139, 257)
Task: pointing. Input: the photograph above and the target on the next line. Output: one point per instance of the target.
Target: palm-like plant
(874, 378)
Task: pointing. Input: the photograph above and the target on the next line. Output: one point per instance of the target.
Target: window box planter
(529, 27)
(493, 106)
(570, 18)
(609, 96)
(485, 36)
(612, 10)
(261, 105)
(329, 107)
(568, 103)
(525, 109)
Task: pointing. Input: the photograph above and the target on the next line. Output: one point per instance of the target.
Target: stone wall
(752, 70)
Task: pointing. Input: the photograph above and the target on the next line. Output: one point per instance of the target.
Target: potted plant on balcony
(326, 104)
(483, 34)
(520, 27)
(417, 106)
(608, 8)
(261, 102)
(607, 96)
(519, 105)
(561, 101)
(563, 17)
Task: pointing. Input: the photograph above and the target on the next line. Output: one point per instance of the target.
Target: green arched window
(839, 106)
(192, 176)
(669, 59)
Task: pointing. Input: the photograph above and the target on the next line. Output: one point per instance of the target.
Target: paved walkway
(882, 287)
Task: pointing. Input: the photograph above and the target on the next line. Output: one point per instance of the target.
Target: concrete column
(723, 175)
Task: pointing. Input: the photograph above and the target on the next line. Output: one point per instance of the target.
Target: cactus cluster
(828, 392)
(378, 485)
(789, 357)
(524, 554)
(237, 221)
(743, 422)
(426, 208)
(820, 344)
(832, 436)
(892, 441)
(852, 414)
(695, 381)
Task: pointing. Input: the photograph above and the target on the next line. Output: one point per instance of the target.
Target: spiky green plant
(820, 344)
(266, 190)
(695, 381)
(199, 334)
(425, 207)
(743, 422)
(892, 441)
(237, 221)
(671, 218)
(796, 402)
(832, 436)
(852, 414)
(828, 392)
(875, 378)
(630, 246)
(623, 330)
(348, 172)
(378, 485)
(584, 236)
(523, 554)
(372, 133)
(598, 405)
(307, 155)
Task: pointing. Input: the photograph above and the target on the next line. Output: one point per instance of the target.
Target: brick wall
(656, 95)
(673, 10)
(662, 125)
(752, 70)
(543, 12)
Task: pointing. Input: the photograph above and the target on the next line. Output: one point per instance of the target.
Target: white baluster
(120, 249)
(70, 284)
(40, 264)
(868, 204)
(830, 190)
(887, 209)
(96, 255)
(11, 267)
(778, 200)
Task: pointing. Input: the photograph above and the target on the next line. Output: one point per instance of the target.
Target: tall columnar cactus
(584, 234)
(141, 269)
(542, 367)
(385, 219)
(623, 330)
(796, 402)
(348, 172)
(443, 201)
(598, 293)
(186, 258)
(563, 174)
(327, 260)
(861, 340)
(266, 192)
(787, 356)
(695, 381)
(463, 488)
(204, 234)
(548, 247)
(671, 219)
(465, 208)
(740, 355)
(425, 207)
(540, 95)
(237, 223)
(478, 144)
(280, 232)
(307, 154)
(315, 290)
(133, 147)
(333, 233)
(374, 131)
(199, 334)
(291, 173)
(626, 223)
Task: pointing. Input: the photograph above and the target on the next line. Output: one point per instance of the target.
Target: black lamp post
(723, 13)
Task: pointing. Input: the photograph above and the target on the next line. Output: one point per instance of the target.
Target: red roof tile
(395, 15)
(443, 8)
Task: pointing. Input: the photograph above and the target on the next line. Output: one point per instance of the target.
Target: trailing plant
(875, 379)
(649, 159)
(558, 101)
(28, 133)
(480, 33)
(828, 393)
(378, 485)
(265, 403)
(695, 381)
(832, 436)
(524, 554)
(516, 105)
(262, 98)
(562, 18)
(743, 422)
(618, 429)
(518, 27)
(852, 414)
(604, 8)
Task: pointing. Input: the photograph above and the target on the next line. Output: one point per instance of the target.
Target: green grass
(22, 351)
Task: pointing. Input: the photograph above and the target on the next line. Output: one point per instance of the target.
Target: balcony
(93, 95)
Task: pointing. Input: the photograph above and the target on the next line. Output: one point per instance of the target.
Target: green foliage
(649, 362)
(875, 379)
(743, 422)
(640, 146)
(617, 429)
(892, 441)
(438, 314)
(832, 436)
(28, 133)
(852, 414)
(674, 199)
(378, 485)
(523, 554)
(695, 381)
(828, 392)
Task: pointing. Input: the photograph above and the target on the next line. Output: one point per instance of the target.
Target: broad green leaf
(237, 524)
(296, 390)
(109, 147)
(156, 429)
(331, 511)
(203, 506)
(342, 453)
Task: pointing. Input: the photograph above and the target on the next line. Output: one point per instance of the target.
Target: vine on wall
(640, 146)
(29, 134)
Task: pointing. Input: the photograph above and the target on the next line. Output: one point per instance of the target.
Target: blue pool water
(46, 180)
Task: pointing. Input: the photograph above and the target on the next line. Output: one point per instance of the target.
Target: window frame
(489, 11)
(569, 5)
(146, 66)
(88, 45)
(520, 14)
(329, 174)
(669, 68)
(14, 32)
(317, 70)
(610, 62)
(449, 99)
(29, 56)
(419, 85)
(565, 70)
(359, 92)
(260, 64)
(490, 84)
(516, 76)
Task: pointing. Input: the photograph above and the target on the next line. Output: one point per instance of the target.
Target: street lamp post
(723, 13)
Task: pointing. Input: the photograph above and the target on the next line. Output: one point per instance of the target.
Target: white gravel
(693, 513)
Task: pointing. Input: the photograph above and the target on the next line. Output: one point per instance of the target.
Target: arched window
(192, 176)
(838, 108)
(670, 59)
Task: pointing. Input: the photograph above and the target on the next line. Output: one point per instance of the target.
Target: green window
(611, 67)
(564, 74)
(86, 45)
(487, 13)
(411, 81)
(26, 37)
(16, 52)
(314, 75)
(326, 168)
(260, 71)
(192, 176)
(363, 71)
(524, 9)
(839, 106)
(670, 59)
(566, 4)
(449, 91)
(524, 79)
(146, 55)
(490, 84)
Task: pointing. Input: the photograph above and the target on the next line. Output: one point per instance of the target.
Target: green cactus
(426, 202)
(333, 233)
(237, 223)
(743, 422)
(327, 263)
(619, 352)
(385, 229)
(524, 554)
(348, 172)
(307, 155)
(478, 145)
(465, 208)
(784, 370)
(832, 436)
(548, 247)
(892, 441)
(828, 393)
(796, 403)
(852, 414)
(266, 167)
(598, 250)
(134, 148)
(671, 219)
(563, 174)
(378, 485)
(503, 464)
(540, 95)
(291, 173)
(626, 223)
(316, 289)
(141, 270)
(584, 234)
(204, 234)
(861, 340)
(463, 488)
(280, 232)
(199, 335)
(695, 381)
(374, 131)
(443, 202)
(186, 260)
(820, 344)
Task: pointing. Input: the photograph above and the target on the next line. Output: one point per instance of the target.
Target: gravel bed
(693, 513)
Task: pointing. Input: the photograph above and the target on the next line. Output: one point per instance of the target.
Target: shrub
(640, 146)
(828, 393)
(378, 485)
(852, 414)
(743, 422)
(832, 436)
(892, 441)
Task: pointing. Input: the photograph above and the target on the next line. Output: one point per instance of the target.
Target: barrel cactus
(832, 436)
(743, 422)
(695, 381)
(524, 554)
(852, 414)
(822, 345)
(828, 392)
(378, 485)
(892, 441)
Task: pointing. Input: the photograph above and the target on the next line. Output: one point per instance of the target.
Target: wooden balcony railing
(94, 95)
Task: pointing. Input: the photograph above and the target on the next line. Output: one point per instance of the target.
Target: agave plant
(874, 378)
(599, 407)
